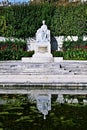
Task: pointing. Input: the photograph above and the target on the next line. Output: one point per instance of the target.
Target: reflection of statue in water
(43, 34)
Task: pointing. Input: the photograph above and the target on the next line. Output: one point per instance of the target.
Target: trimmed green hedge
(69, 20)
(75, 54)
(24, 20)
(57, 54)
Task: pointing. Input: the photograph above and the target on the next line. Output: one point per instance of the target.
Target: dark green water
(18, 113)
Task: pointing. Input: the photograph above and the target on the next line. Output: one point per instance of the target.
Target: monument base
(42, 53)
(39, 58)
(42, 57)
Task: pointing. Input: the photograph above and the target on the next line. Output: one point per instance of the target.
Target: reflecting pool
(19, 112)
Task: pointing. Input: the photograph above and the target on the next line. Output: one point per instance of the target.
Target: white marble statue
(43, 34)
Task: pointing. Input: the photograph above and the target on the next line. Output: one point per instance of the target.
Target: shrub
(57, 54)
(74, 45)
(13, 44)
(75, 54)
(75, 50)
(13, 49)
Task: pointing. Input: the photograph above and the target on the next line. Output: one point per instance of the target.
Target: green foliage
(69, 20)
(24, 20)
(57, 54)
(75, 50)
(75, 54)
(74, 45)
(2, 25)
(13, 50)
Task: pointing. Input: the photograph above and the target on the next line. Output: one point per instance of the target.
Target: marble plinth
(39, 58)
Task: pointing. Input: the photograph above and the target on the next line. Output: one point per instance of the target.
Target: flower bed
(13, 50)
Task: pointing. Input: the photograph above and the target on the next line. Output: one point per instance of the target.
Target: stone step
(16, 67)
(66, 73)
(34, 71)
(44, 79)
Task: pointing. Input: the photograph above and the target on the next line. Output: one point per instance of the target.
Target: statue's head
(43, 22)
(44, 26)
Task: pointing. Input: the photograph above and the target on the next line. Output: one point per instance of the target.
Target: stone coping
(62, 60)
(41, 90)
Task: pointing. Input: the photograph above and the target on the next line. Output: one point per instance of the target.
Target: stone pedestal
(42, 58)
(42, 53)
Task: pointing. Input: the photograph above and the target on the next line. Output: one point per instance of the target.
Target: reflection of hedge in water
(19, 113)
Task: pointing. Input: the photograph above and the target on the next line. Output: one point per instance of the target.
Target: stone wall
(56, 42)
